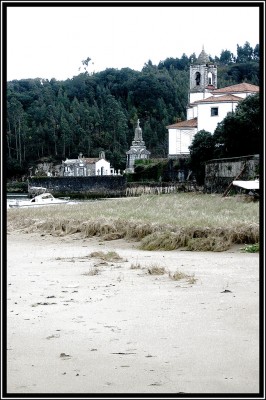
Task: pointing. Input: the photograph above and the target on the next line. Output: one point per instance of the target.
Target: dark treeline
(51, 120)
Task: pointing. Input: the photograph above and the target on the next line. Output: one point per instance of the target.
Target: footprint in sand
(65, 356)
(53, 336)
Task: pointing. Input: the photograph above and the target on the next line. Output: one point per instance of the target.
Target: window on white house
(214, 111)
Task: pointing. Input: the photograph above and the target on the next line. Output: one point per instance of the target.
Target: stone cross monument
(137, 150)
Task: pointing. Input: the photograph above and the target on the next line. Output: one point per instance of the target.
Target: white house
(207, 105)
(213, 110)
(87, 166)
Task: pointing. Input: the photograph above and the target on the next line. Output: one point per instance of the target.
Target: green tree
(16, 123)
(256, 53)
(240, 133)
(226, 57)
(114, 126)
(201, 150)
(245, 53)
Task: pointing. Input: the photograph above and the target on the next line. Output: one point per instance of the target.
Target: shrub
(252, 248)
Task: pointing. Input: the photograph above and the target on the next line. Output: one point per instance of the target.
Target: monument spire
(138, 133)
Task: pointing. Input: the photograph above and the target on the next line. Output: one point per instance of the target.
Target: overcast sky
(51, 42)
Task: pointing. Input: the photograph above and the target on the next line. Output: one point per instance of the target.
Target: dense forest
(51, 120)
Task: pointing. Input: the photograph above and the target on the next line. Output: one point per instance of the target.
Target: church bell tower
(203, 78)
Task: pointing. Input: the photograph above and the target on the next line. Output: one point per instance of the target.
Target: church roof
(91, 160)
(220, 99)
(72, 161)
(82, 160)
(239, 88)
(189, 123)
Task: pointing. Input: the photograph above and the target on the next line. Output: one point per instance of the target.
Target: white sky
(51, 42)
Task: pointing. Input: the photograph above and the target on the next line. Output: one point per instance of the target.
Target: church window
(214, 111)
(209, 78)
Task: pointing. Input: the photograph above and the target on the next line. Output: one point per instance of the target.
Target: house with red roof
(207, 105)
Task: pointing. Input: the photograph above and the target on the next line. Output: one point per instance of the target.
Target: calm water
(17, 197)
(14, 197)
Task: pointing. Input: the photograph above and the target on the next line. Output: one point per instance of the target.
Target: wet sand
(124, 330)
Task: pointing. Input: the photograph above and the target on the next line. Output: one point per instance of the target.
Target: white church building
(207, 105)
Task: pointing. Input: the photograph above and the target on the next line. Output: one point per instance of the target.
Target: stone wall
(221, 172)
(83, 186)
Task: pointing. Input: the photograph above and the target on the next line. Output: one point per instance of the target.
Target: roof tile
(220, 99)
(189, 123)
(239, 88)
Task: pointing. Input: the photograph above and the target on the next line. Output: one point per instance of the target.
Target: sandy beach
(124, 330)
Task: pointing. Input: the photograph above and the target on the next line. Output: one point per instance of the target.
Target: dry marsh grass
(193, 221)
(178, 275)
(92, 272)
(210, 243)
(135, 266)
(156, 270)
(110, 256)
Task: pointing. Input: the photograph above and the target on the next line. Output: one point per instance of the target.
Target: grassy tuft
(191, 280)
(135, 266)
(178, 275)
(91, 272)
(110, 256)
(156, 270)
(252, 248)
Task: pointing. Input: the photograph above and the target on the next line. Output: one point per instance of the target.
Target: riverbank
(197, 222)
(90, 316)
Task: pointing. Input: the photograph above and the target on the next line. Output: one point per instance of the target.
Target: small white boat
(249, 185)
(44, 199)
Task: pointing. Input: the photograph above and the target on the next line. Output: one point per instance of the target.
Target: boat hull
(44, 199)
(19, 205)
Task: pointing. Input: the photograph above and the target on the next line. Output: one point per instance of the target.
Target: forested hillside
(52, 120)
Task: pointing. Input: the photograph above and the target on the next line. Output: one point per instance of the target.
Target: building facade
(207, 105)
(87, 166)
